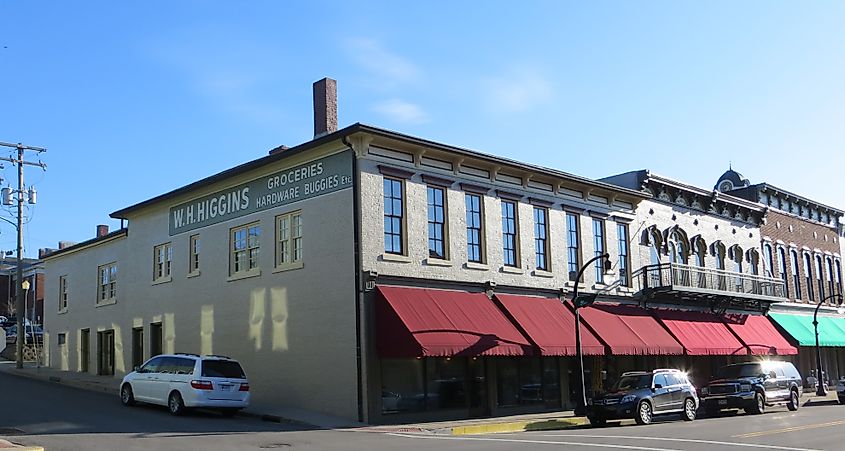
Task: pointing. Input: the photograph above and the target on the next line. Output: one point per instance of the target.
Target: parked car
(32, 332)
(183, 381)
(752, 386)
(643, 394)
(840, 390)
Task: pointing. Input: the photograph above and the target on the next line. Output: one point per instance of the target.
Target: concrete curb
(7, 444)
(517, 426)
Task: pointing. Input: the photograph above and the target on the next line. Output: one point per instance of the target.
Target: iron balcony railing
(681, 277)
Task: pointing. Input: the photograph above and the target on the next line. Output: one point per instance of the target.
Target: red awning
(700, 333)
(630, 330)
(759, 335)
(549, 325)
(424, 322)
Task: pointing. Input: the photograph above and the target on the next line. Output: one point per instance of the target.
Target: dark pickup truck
(752, 386)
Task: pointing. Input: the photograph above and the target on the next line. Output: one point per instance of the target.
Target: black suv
(752, 386)
(642, 394)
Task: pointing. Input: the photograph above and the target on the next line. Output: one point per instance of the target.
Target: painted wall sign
(312, 179)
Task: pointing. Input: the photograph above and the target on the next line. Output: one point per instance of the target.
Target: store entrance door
(479, 405)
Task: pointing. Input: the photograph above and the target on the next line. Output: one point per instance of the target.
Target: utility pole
(20, 308)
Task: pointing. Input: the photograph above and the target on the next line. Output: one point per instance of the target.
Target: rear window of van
(222, 368)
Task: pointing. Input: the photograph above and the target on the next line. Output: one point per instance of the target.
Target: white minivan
(181, 381)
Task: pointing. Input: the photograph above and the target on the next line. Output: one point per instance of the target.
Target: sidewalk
(311, 419)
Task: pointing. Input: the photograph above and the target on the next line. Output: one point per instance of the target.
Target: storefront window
(402, 386)
(528, 381)
(446, 382)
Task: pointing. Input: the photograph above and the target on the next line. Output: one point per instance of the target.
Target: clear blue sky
(134, 99)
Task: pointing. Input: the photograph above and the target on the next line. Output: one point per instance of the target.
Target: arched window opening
(796, 277)
(808, 277)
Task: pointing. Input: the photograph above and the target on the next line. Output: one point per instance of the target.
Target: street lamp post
(581, 402)
(820, 390)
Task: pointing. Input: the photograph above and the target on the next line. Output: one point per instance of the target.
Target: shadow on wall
(278, 315)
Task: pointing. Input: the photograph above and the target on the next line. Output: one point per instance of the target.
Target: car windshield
(632, 382)
(734, 371)
(222, 368)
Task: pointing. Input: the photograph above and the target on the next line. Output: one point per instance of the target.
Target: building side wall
(293, 330)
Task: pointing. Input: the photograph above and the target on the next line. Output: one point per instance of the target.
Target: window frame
(808, 276)
(401, 233)
(247, 250)
(573, 245)
(796, 276)
(482, 257)
(442, 224)
(162, 262)
(291, 241)
(61, 339)
(599, 246)
(63, 293)
(624, 245)
(107, 292)
(542, 248)
(194, 244)
(514, 236)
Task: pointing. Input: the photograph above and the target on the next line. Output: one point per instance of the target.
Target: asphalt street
(58, 417)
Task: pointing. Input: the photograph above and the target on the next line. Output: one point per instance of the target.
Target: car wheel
(597, 421)
(644, 413)
(689, 409)
(126, 395)
(793, 403)
(175, 404)
(759, 405)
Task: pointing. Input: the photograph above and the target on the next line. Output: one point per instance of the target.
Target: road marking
(790, 429)
(688, 440)
(533, 442)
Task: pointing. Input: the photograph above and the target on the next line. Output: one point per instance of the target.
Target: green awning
(831, 330)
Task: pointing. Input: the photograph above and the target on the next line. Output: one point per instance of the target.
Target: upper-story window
(753, 262)
(244, 249)
(808, 277)
(720, 257)
(510, 229)
(768, 260)
(598, 246)
(394, 217)
(289, 240)
(475, 228)
(194, 255)
(819, 272)
(541, 238)
(736, 258)
(700, 252)
(62, 293)
(107, 282)
(838, 277)
(796, 276)
(436, 222)
(624, 264)
(573, 253)
(162, 259)
(830, 276)
(677, 248)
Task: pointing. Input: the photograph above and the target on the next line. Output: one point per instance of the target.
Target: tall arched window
(796, 277)
(838, 277)
(719, 253)
(700, 249)
(768, 260)
(754, 261)
(808, 277)
(677, 248)
(829, 275)
(736, 257)
(819, 278)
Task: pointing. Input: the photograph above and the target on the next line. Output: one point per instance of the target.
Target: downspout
(356, 188)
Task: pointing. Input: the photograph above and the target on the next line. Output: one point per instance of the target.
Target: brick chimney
(102, 230)
(325, 107)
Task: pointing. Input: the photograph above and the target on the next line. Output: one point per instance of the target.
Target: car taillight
(202, 385)
(244, 387)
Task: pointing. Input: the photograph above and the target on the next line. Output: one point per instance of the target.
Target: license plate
(226, 387)
(723, 402)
